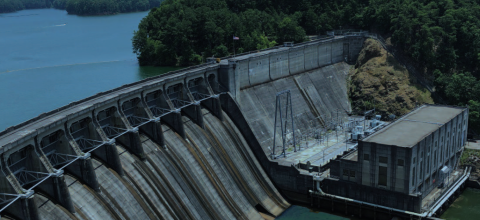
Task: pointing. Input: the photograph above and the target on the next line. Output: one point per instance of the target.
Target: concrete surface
(415, 126)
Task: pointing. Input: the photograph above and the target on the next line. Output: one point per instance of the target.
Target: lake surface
(301, 213)
(49, 59)
(465, 207)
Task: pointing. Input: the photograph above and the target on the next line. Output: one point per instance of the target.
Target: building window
(400, 162)
(345, 172)
(421, 170)
(352, 173)
(366, 157)
(382, 176)
(383, 159)
(414, 160)
(428, 164)
(413, 177)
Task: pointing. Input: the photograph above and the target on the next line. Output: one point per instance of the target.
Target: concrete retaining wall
(264, 66)
(279, 65)
(296, 60)
(241, 73)
(259, 70)
(311, 57)
(372, 195)
(324, 54)
(319, 92)
(338, 51)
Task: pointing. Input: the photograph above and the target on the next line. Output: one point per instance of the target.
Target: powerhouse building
(401, 163)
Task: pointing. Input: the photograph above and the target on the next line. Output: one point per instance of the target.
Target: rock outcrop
(379, 81)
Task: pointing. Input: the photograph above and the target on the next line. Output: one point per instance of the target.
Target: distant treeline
(81, 7)
(183, 32)
(16, 5)
(441, 36)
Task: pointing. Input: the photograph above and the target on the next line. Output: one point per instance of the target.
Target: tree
(221, 51)
(264, 43)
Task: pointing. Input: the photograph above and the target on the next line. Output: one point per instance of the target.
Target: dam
(190, 144)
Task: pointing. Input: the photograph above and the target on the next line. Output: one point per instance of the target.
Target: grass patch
(467, 153)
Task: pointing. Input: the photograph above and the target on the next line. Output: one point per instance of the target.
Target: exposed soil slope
(379, 81)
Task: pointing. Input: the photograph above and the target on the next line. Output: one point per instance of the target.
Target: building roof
(410, 129)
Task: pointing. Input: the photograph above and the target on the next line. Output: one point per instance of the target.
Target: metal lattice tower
(282, 120)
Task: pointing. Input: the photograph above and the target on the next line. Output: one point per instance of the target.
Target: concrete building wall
(415, 169)
(399, 181)
(364, 155)
(435, 151)
(349, 171)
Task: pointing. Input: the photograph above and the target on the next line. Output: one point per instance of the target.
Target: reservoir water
(465, 207)
(49, 59)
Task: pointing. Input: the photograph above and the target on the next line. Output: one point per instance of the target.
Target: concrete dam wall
(189, 144)
(316, 96)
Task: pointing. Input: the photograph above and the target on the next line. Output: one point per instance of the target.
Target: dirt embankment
(379, 81)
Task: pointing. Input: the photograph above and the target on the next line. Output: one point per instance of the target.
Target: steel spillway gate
(176, 95)
(56, 148)
(156, 102)
(134, 112)
(107, 120)
(81, 132)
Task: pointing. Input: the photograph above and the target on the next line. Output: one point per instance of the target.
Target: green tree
(264, 43)
(221, 51)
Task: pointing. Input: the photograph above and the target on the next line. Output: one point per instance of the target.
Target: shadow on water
(296, 212)
(465, 207)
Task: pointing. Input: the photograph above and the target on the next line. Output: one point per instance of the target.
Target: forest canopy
(16, 5)
(442, 37)
(183, 32)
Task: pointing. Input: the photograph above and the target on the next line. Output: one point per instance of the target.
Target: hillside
(379, 80)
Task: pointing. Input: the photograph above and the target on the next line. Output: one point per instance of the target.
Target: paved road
(473, 144)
